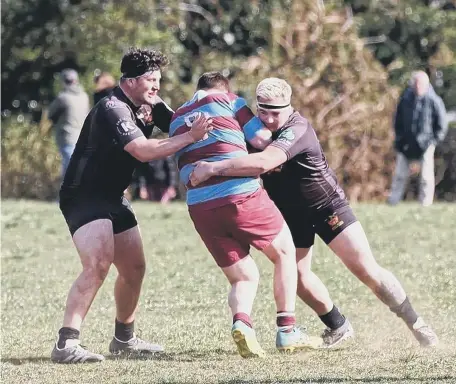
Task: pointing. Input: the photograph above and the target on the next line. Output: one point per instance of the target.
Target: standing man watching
(103, 226)
(67, 113)
(420, 125)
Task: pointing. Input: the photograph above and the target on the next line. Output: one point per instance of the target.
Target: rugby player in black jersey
(298, 179)
(102, 224)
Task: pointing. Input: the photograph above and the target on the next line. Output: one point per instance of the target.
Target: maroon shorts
(229, 230)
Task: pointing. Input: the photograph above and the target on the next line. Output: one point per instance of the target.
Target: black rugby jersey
(305, 179)
(99, 166)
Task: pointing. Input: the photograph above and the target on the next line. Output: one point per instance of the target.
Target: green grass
(183, 304)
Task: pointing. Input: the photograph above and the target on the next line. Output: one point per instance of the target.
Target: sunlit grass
(183, 304)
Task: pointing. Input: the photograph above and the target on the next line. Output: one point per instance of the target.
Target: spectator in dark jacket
(420, 124)
(67, 113)
(104, 84)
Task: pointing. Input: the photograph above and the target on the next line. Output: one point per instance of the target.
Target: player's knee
(133, 273)
(282, 250)
(286, 252)
(138, 270)
(245, 270)
(98, 271)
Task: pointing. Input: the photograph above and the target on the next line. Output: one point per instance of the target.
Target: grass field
(183, 305)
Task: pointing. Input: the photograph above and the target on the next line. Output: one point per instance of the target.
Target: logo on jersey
(286, 136)
(334, 222)
(126, 127)
(189, 119)
(113, 103)
(110, 104)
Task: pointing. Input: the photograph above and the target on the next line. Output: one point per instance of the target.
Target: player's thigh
(94, 242)
(258, 222)
(129, 252)
(348, 241)
(304, 259)
(301, 224)
(123, 217)
(213, 227)
(281, 246)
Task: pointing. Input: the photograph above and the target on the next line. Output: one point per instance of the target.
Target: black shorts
(81, 211)
(326, 222)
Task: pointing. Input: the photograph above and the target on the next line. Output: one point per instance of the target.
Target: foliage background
(347, 62)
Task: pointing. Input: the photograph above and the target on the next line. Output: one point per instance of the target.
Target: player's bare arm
(251, 165)
(151, 149)
(255, 132)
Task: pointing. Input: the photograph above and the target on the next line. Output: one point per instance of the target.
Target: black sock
(124, 332)
(406, 312)
(66, 333)
(333, 319)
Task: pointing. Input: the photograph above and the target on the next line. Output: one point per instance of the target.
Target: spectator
(157, 180)
(67, 113)
(420, 124)
(104, 84)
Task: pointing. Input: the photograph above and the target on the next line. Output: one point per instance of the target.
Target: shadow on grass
(187, 356)
(26, 360)
(345, 380)
(184, 356)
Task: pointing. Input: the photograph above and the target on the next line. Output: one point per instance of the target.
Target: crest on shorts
(334, 222)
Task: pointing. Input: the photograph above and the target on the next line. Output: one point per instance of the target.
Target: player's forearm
(162, 115)
(154, 149)
(251, 165)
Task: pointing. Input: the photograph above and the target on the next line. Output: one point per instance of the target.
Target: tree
(409, 35)
(338, 85)
(42, 37)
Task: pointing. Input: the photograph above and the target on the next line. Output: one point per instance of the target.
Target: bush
(340, 87)
(30, 161)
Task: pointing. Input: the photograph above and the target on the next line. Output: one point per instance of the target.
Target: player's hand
(145, 114)
(200, 127)
(203, 171)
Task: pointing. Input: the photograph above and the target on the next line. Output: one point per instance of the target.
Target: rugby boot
(246, 341)
(74, 352)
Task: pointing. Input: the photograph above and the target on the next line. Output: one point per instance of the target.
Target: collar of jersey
(123, 97)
